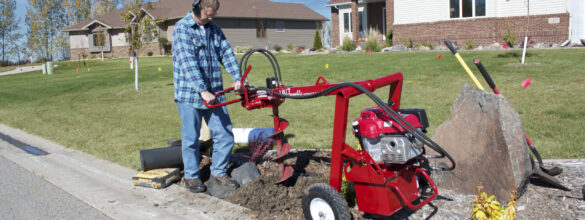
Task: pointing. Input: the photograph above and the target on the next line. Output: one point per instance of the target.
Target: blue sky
(316, 5)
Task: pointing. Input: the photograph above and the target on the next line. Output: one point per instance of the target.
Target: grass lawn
(96, 110)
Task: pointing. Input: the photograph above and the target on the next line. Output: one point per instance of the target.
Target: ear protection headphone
(197, 7)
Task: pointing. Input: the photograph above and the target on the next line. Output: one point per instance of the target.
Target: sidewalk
(108, 187)
(22, 69)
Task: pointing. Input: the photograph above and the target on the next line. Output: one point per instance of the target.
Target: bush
(469, 45)
(429, 45)
(509, 36)
(242, 49)
(388, 41)
(317, 43)
(348, 44)
(277, 48)
(408, 43)
(150, 53)
(300, 49)
(289, 47)
(372, 39)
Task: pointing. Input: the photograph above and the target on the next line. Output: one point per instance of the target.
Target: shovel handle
(486, 76)
(450, 46)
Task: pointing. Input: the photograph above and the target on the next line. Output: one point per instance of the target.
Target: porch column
(389, 15)
(355, 21)
(335, 27)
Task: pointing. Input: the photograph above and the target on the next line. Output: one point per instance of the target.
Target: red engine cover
(374, 121)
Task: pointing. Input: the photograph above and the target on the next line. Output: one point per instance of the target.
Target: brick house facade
(479, 21)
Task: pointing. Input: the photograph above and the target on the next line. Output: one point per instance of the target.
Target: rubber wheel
(321, 201)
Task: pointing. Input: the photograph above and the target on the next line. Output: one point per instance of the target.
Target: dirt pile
(268, 200)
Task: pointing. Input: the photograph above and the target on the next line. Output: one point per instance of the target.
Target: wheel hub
(320, 209)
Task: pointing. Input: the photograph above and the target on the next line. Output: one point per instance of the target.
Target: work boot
(195, 185)
(224, 180)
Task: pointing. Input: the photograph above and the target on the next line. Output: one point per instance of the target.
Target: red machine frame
(377, 185)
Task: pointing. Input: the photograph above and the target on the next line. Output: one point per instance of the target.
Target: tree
(8, 26)
(45, 19)
(317, 44)
(102, 7)
(140, 28)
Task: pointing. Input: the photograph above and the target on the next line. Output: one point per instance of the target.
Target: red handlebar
(229, 89)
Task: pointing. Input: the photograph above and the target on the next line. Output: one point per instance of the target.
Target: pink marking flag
(526, 82)
(367, 51)
(439, 56)
(505, 46)
(77, 70)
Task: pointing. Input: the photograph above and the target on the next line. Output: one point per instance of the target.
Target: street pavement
(24, 195)
(103, 186)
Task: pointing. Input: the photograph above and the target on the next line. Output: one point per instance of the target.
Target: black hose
(393, 114)
(271, 58)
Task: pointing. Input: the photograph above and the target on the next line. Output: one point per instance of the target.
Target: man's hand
(237, 85)
(208, 97)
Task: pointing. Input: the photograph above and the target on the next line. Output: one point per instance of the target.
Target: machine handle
(223, 103)
(243, 87)
(403, 198)
(450, 46)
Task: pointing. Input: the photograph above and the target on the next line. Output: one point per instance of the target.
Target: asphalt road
(24, 195)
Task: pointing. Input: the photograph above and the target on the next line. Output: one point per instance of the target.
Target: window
(260, 29)
(99, 39)
(479, 7)
(236, 23)
(466, 8)
(346, 22)
(280, 26)
(361, 20)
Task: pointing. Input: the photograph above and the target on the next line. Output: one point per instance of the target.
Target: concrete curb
(108, 187)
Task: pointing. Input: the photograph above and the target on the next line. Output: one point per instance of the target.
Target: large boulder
(486, 138)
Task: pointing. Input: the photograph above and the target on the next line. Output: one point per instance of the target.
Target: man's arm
(185, 54)
(228, 59)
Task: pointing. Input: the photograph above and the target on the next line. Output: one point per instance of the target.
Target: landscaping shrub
(469, 45)
(289, 47)
(348, 44)
(372, 38)
(277, 48)
(317, 43)
(149, 53)
(509, 35)
(300, 49)
(388, 42)
(429, 45)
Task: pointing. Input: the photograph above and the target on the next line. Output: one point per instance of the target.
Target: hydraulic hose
(393, 114)
(271, 58)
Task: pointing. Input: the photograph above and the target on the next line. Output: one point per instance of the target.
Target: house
(479, 21)
(246, 23)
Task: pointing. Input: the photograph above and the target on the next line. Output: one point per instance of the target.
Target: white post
(102, 55)
(524, 51)
(131, 63)
(136, 75)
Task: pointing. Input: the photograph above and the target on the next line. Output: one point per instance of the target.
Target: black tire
(323, 194)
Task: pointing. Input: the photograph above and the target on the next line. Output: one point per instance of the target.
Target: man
(199, 46)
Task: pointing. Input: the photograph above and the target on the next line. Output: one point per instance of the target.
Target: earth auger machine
(390, 169)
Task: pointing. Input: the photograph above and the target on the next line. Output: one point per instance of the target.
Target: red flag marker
(367, 51)
(98, 62)
(526, 82)
(114, 67)
(505, 46)
(439, 56)
(77, 69)
(73, 66)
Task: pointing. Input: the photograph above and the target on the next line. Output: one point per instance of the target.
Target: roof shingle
(173, 9)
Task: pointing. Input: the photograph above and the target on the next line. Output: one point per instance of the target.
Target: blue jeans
(220, 126)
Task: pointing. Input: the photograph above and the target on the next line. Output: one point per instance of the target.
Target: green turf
(98, 111)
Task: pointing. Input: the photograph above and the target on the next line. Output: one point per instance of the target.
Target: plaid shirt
(196, 58)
